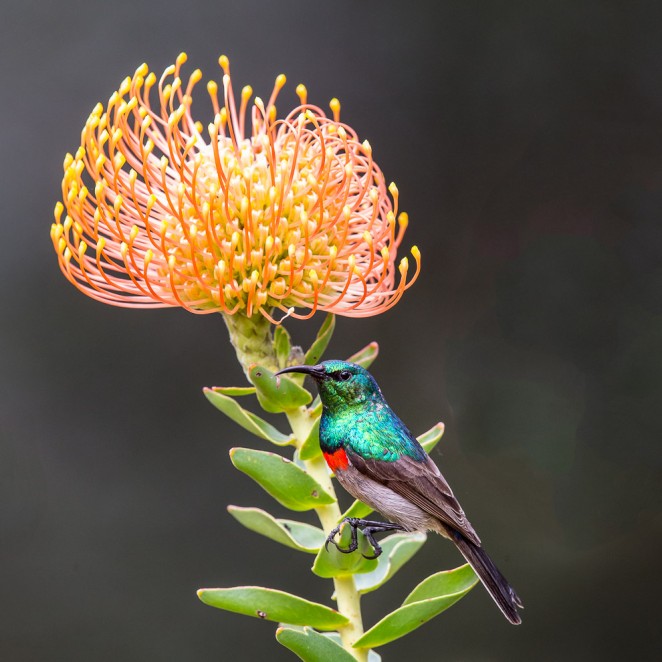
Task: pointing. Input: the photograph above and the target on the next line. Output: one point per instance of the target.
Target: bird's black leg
(369, 529)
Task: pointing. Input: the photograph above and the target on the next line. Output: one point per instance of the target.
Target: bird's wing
(419, 481)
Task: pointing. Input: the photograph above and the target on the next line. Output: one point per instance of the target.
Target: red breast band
(337, 460)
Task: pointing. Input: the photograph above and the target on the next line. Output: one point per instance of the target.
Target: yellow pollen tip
(196, 76)
(181, 58)
(225, 63)
(393, 189)
(416, 253)
(246, 93)
(281, 79)
(367, 147)
(172, 262)
(148, 257)
(403, 219)
(101, 244)
(212, 88)
(334, 104)
(404, 264)
(59, 208)
(302, 93)
(82, 248)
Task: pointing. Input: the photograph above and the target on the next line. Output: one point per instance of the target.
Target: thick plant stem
(347, 597)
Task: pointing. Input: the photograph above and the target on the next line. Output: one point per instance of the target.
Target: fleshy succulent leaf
(310, 448)
(290, 485)
(446, 582)
(248, 420)
(321, 342)
(432, 596)
(430, 438)
(312, 646)
(282, 345)
(397, 550)
(333, 563)
(373, 656)
(298, 535)
(358, 509)
(235, 391)
(365, 356)
(277, 394)
(273, 605)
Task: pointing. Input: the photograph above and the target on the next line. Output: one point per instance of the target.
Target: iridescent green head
(341, 384)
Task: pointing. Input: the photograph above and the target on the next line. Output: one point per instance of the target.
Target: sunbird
(378, 460)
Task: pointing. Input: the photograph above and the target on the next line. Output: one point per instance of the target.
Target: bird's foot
(368, 527)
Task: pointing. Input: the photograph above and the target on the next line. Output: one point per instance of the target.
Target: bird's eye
(344, 375)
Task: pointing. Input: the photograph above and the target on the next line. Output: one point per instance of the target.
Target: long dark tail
(496, 584)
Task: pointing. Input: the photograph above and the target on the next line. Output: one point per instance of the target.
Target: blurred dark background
(526, 141)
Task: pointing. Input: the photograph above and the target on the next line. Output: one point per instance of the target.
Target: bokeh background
(526, 141)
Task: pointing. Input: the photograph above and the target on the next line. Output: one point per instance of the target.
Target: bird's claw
(368, 528)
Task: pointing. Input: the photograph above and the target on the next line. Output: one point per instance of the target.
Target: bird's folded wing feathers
(421, 483)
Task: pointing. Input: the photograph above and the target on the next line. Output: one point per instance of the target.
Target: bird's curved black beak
(315, 371)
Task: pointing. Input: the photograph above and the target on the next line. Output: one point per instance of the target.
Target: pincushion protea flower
(291, 214)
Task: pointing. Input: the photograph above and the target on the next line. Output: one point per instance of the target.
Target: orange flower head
(283, 214)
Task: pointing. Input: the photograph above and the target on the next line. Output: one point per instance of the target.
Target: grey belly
(390, 504)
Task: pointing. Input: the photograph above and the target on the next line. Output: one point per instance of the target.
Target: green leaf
(373, 656)
(429, 598)
(235, 391)
(277, 394)
(314, 354)
(397, 550)
(245, 418)
(298, 535)
(366, 356)
(290, 485)
(282, 345)
(358, 509)
(446, 582)
(316, 407)
(272, 605)
(310, 448)
(430, 438)
(311, 646)
(333, 563)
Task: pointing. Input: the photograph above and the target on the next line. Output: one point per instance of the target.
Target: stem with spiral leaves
(347, 597)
